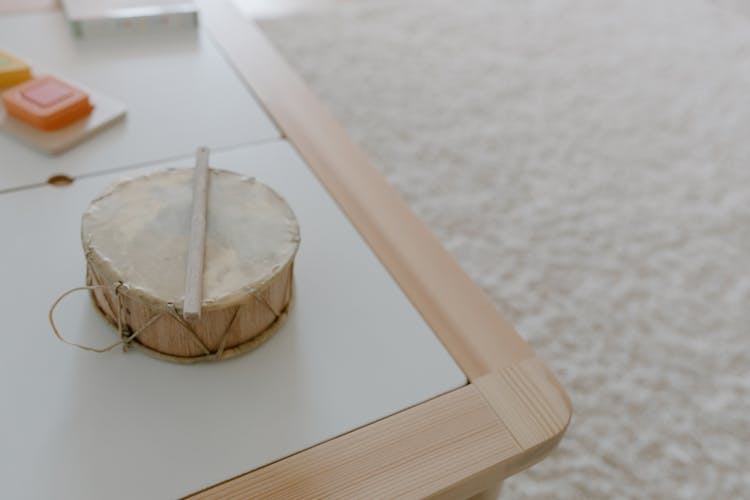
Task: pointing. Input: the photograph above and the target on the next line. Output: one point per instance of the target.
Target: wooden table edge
(453, 446)
(512, 413)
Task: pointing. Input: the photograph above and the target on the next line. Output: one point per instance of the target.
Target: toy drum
(135, 238)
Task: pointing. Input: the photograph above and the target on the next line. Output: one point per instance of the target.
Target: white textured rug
(588, 163)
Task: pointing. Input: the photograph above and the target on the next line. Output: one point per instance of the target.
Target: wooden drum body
(135, 237)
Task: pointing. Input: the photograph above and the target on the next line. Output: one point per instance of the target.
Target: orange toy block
(47, 103)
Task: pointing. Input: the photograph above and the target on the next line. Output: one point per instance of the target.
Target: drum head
(137, 232)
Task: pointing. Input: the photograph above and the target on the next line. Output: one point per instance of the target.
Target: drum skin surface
(135, 238)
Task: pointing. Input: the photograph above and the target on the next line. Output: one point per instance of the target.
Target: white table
(123, 425)
(179, 91)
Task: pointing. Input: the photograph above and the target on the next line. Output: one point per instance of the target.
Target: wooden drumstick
(191, 309)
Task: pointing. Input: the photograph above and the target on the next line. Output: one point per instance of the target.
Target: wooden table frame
(512, 413)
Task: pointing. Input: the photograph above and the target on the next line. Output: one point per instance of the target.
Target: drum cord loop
(125, 340)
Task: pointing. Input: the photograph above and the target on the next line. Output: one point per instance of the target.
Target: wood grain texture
(453, 446)
(235, 326)
(197, 242)
(528, 400)
(420, 452)
(461, 314)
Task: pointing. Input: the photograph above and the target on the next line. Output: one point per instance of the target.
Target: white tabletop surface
(179, 91)
(79, 425)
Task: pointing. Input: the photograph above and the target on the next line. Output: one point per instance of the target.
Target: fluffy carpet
(588, 164)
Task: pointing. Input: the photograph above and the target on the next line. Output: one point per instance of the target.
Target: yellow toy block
(12, 70)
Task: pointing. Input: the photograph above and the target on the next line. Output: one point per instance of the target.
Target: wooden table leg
(489, 494)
